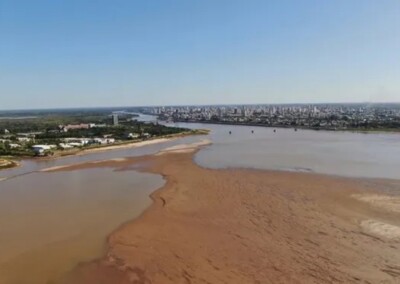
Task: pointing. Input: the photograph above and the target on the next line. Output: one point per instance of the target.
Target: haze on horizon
(58, 54)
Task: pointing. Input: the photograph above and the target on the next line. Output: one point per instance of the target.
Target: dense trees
(46, 129)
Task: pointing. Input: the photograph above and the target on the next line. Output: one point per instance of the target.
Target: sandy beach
(251, 226)
(124, 145)
(5, 164)
(135, 144)
(127, 145)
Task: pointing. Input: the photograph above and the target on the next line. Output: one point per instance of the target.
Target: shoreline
(116, 146)
(126, 144)
(351, 130)
(182, 148)
(6, 164)
(201, 218)
(141, 143)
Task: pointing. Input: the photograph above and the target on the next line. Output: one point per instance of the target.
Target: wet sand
(131, 144)
(137, 143)
(251, 226)
(8, 164)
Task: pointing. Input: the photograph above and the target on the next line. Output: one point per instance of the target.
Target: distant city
(312, 116)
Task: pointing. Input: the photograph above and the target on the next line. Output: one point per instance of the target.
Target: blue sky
(114, 53)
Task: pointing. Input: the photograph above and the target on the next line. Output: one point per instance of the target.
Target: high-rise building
(115, 119)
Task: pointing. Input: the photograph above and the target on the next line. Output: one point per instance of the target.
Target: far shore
(354, 130)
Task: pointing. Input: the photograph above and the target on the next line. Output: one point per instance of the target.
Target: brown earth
(250, 226)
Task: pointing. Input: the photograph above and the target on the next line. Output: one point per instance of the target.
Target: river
(49, 222)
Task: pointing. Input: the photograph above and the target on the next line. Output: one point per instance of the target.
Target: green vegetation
(25, 150)
(64, 131)
(51, 121)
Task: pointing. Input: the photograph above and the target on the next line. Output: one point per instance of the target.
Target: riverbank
(251, 226)
(356, 130)
(130, 144)
(121, 145)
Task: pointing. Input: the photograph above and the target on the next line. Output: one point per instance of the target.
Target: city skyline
(76, 54)
(122, 107)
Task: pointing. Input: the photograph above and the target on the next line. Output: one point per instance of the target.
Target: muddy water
(49, 222)
(371, 155)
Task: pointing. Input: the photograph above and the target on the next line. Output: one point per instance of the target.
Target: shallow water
(52, 221)
(32, 165)
(373, 155)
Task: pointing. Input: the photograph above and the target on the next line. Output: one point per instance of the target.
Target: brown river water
(50, 222)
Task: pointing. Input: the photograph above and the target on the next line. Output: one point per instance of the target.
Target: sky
(81, 53)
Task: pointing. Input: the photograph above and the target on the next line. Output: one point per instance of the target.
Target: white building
(104, 141)
(14, 146)
(66, 146)
(40, 149)
(24, 139)
(132, 135)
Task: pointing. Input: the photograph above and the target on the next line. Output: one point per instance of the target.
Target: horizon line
(195, 105)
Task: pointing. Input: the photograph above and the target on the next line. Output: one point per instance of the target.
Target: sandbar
(248, 226)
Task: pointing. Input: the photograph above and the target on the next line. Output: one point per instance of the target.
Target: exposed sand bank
(184, 148)
(248, 226)
(151, 141)
(127, 145)
(381, 229)
(8, 164)
(385, 202)
(59, 168)
(181, 148)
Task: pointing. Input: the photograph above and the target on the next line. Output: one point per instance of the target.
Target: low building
(24, 139)
(132, 135)
(14, 146)
(65, 146)
(75, 144)
(42, 149)
(78, 142)
(104, 141)
(68, 127)
(29, 134)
